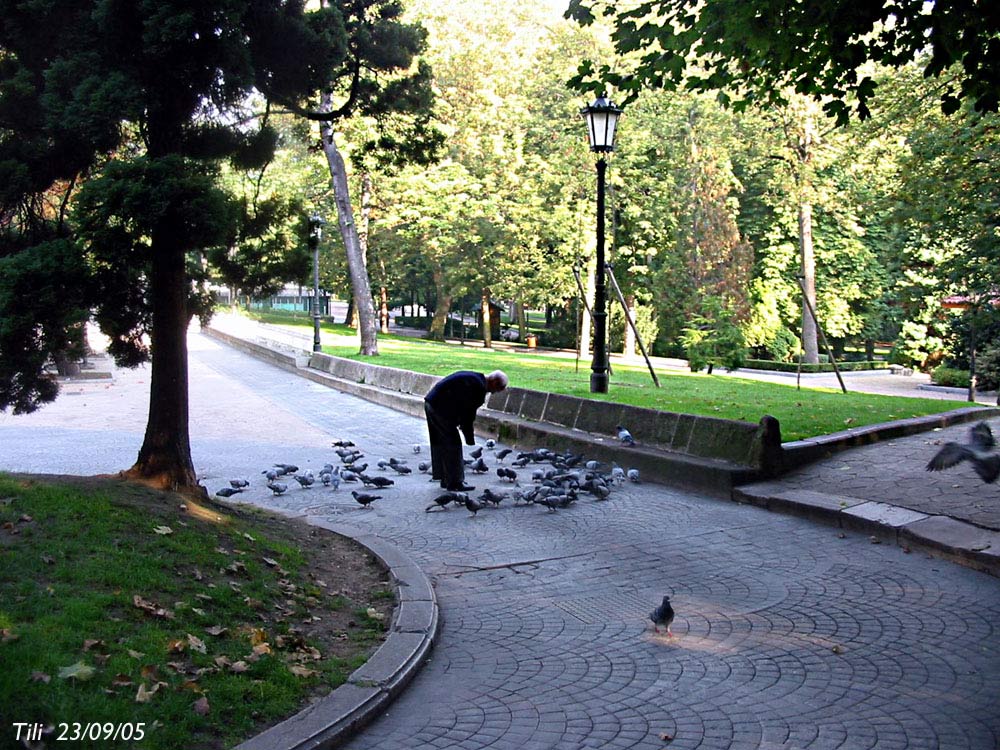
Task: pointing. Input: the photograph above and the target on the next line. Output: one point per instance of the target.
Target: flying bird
(625, 436)
(662, 615)
(364, 498)
(978, 451)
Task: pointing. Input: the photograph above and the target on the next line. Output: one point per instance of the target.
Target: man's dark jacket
(456, 399)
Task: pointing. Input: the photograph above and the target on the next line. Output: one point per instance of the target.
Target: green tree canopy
(755, 50)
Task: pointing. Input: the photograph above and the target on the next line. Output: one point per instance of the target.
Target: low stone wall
(727, 440)
(741, 443)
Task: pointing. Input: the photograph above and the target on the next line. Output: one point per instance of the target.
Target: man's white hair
(500, 377)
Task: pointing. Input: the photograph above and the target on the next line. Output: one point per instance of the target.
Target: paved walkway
(788, 634)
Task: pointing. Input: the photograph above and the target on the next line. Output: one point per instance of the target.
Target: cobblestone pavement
(895, 472)
(788, 634)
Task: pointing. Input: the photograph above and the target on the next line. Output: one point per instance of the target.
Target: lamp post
(315, 234)
(602, 121)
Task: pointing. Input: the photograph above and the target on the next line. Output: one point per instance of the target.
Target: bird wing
(987, 468)
(982, 437)
(948, 456)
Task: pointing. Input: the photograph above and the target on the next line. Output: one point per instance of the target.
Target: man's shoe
(461, 488)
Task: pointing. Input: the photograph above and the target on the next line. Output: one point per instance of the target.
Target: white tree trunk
(810, 345)
(360, 285)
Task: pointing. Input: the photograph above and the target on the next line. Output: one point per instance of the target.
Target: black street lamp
(316, 224)
(602, 121)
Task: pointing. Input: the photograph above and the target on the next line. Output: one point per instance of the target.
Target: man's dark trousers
(446, 449)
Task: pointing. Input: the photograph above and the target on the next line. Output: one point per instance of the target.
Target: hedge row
(767, 364)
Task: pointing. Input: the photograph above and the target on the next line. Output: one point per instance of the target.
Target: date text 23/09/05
(74, 732)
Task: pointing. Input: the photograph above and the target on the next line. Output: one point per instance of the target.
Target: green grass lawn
(803, 413)
(118, 606)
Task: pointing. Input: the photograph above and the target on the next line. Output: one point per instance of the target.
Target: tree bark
(810, 344)
(487, 319)
(442, 309)
(165, 456)
(360, 285)
(628, 347)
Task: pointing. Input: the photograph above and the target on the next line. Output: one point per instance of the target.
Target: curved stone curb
(957, 541)
(334, 719)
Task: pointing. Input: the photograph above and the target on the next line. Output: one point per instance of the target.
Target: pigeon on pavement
(306, 480)
(503, 453)
(633, 475)
(476, 452)
(473, 505)
(278, 488)
(978, 451)
(364, 498)
(445, 499)
(229, 491)
(491, 444)
(239, 484)
(479, 466)
(625, 436)
(380, 482)
(662, 615)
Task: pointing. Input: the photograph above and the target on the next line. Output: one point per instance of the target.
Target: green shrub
(950, 376)
(988, 368)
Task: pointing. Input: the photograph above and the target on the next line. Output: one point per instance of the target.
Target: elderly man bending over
(451, 407)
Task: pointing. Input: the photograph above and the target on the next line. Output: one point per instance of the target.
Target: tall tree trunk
(522, 324)
(383, 298)
(810, 345)
(487, 319)
(628, 348)
(349, 317)
(442, 309)
(165, 456)
(360, 284)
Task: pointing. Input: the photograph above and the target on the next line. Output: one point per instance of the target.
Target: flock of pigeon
(557, 480)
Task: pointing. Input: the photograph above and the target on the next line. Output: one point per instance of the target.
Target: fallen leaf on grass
(152, 609)
(145, 695)
(97, 645)
(200, 706)
(238, 667)
(7, 635)
(135, 654)
(216, 630)
(163, 530)
(374, 614)
(48, 560)
(299, 671)
(196, 644)
(78, 671)
(121, 680)
(40, 677)
(176, 646)
(270, 562)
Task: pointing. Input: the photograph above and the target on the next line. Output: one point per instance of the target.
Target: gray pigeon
(341, 443)
(277, 487)
(662, 615)
(978, 451)
(633, 475)
(416, 448)
(380, 482)
(491, 444)
(402, 469)
(424, 466)
(479, 466)
(286, 468)
(489, 496)
(625, 436)
(445, 499)
(364, 498)
(473, 505)
(617, 474)
(271, 474)
(228, 491)
(239, 484)
(305, 480)
(503, 453)
(476, 452)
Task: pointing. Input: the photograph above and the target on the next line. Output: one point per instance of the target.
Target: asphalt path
(788, 634)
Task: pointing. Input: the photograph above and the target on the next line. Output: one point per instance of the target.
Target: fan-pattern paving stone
(788, 635)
